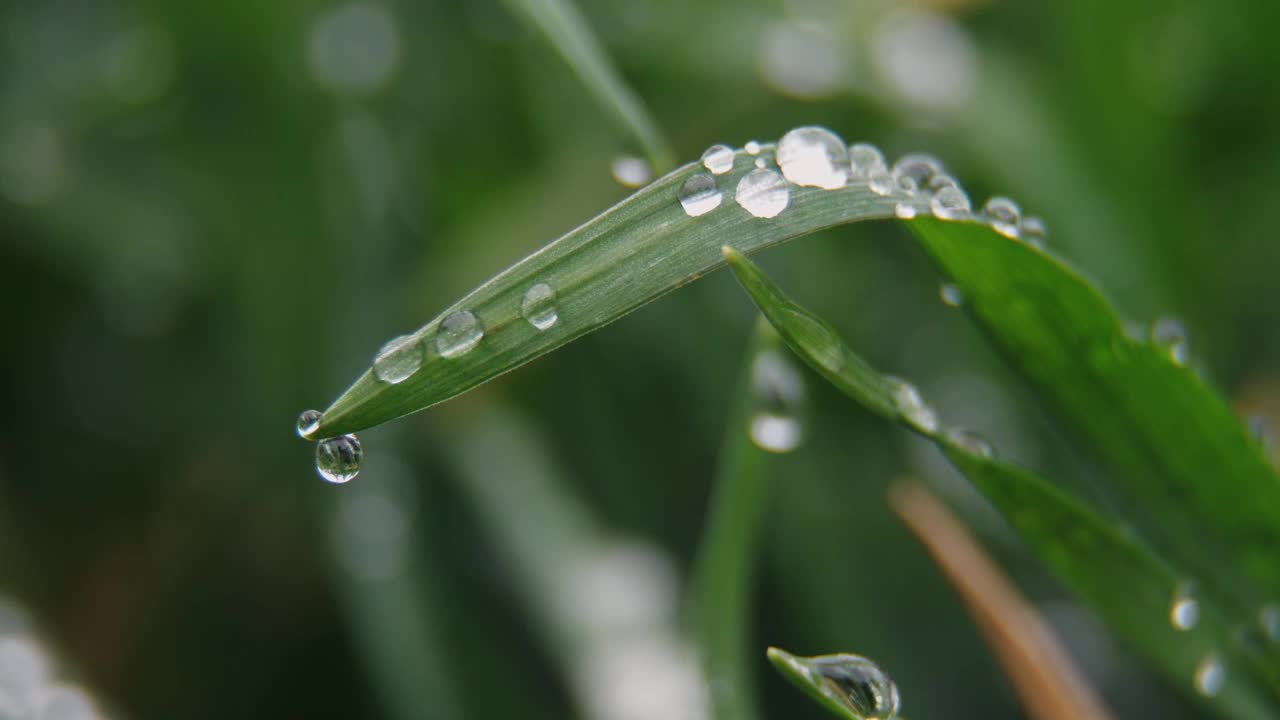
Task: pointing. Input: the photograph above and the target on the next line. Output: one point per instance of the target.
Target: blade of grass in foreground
(1125, 584)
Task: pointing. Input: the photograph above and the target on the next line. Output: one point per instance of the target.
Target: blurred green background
(213, 214)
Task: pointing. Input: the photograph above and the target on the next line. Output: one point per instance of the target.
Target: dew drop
(398, 359)
(630, 171)
(458, 333)
(718, 159)
(971, 442)
(1170, 334)
(1033, 231)
(777, 391)
(865, 160)
(338, 458)
(763, 193)
(950, 203)
(539, 306)
(762, 162)
(1004, 216)
(904, 210)
(850, 681)
(1269, 619)
(814, 156)
(699, 195)
(951, 294)
(1184, 609)
(912, 407)
(752, 147)
(1210, 675)
(308, 421)
(915, 171)
(942, 180)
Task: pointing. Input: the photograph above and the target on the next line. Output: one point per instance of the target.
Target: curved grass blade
(568, 32)
(1127, 585)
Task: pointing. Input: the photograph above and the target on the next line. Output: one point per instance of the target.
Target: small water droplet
(950, 203)
(951, 294)
(458, 333)
(752, 147)
(699, 195)
(904, 210)
(630, 171)
(865, 160)
(1170, 334)
(539, 306)
(762, 162)
(850, 681)
(763, 193)
(1184, 609)
(912, 407)
(1004, 216)
(942, 180)
(1033, 231)
(718, 159)
(338, 458)
(1269, 619)
(1210, 675)
(814, 156)
(777, 393)
(308, 421)
(971, 442)
(914, 171)
(398, 359)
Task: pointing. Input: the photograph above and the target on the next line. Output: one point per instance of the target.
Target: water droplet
(850, 681)
(970, 442)
(458, 333)
(814, 156)
(762, 162)
(912, 407)
(950, 203)
(1210, 676)
(777, 393)
(1184, 609)
(308, 421)
(951, 294)
(1033, 231)
(539, 306)
(398, 359)
(1004, 216)
(630, 171)
(865, 160)
(699, 195)
(914, 171)
(338, 458)
(1170, 334)
(752, 147)
(942, 180)
(904, 210)
(718, 159)
(1269, 619)
(763, 193)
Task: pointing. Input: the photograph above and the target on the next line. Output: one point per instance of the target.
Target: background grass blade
(568, 32)
(1123, 582)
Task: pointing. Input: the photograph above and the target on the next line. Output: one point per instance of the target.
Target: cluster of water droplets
(850, 681)
(1210, 674)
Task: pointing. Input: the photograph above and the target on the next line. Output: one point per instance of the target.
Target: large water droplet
(951, 294)
(1184, 609)
(398, 359)
(630, 171)
(1170, 334)
(814, 157)
(539, 306)
(763, 193)
(1004, 216)
(718, 159)
(850, 681)
(777, 392)
(914, 171)
(308, 421)
(1210, 675)
(699, 195)
(458, 333)
(971, 442)
(338, 458)
(950, 203)
(911, 406)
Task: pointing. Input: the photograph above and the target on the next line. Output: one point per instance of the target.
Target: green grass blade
(568, 32)
(1124, 583)
(769, 388)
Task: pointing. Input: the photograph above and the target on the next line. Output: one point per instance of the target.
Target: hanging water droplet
(458, 333)
(338, 458)
(699, 195)
(970, 442)
(950, 203)
(904, 210)
(914, 171)
(539, 306)
(1210, 675)
(951, 294)
(630, 171)
(912, 407)
(752, 147)
(850, 681)
(1184, 609)
(763, 193)
(308, 421)
(1033, 231)
(1269, 619)
(398, 359)
(814, 156)
(1004, 216)
(718, 159)
(777, 393)
(1170, 334)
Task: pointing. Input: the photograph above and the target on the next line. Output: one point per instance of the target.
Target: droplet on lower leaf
(630, 171)
(950, 203)
(398, 359)
(1170, 334)
(763, 193)
(911, 406)
(1004, 216)
(1269, 620)
(971, 442)
(951, 294)
(718, 159)
(1210, 675)
(458, 334)
(814, 156)
(850, 682)
(308, 422)
(539, 306)
(777, 391)
(699, 195)
(338, 458)
(1184, 609)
